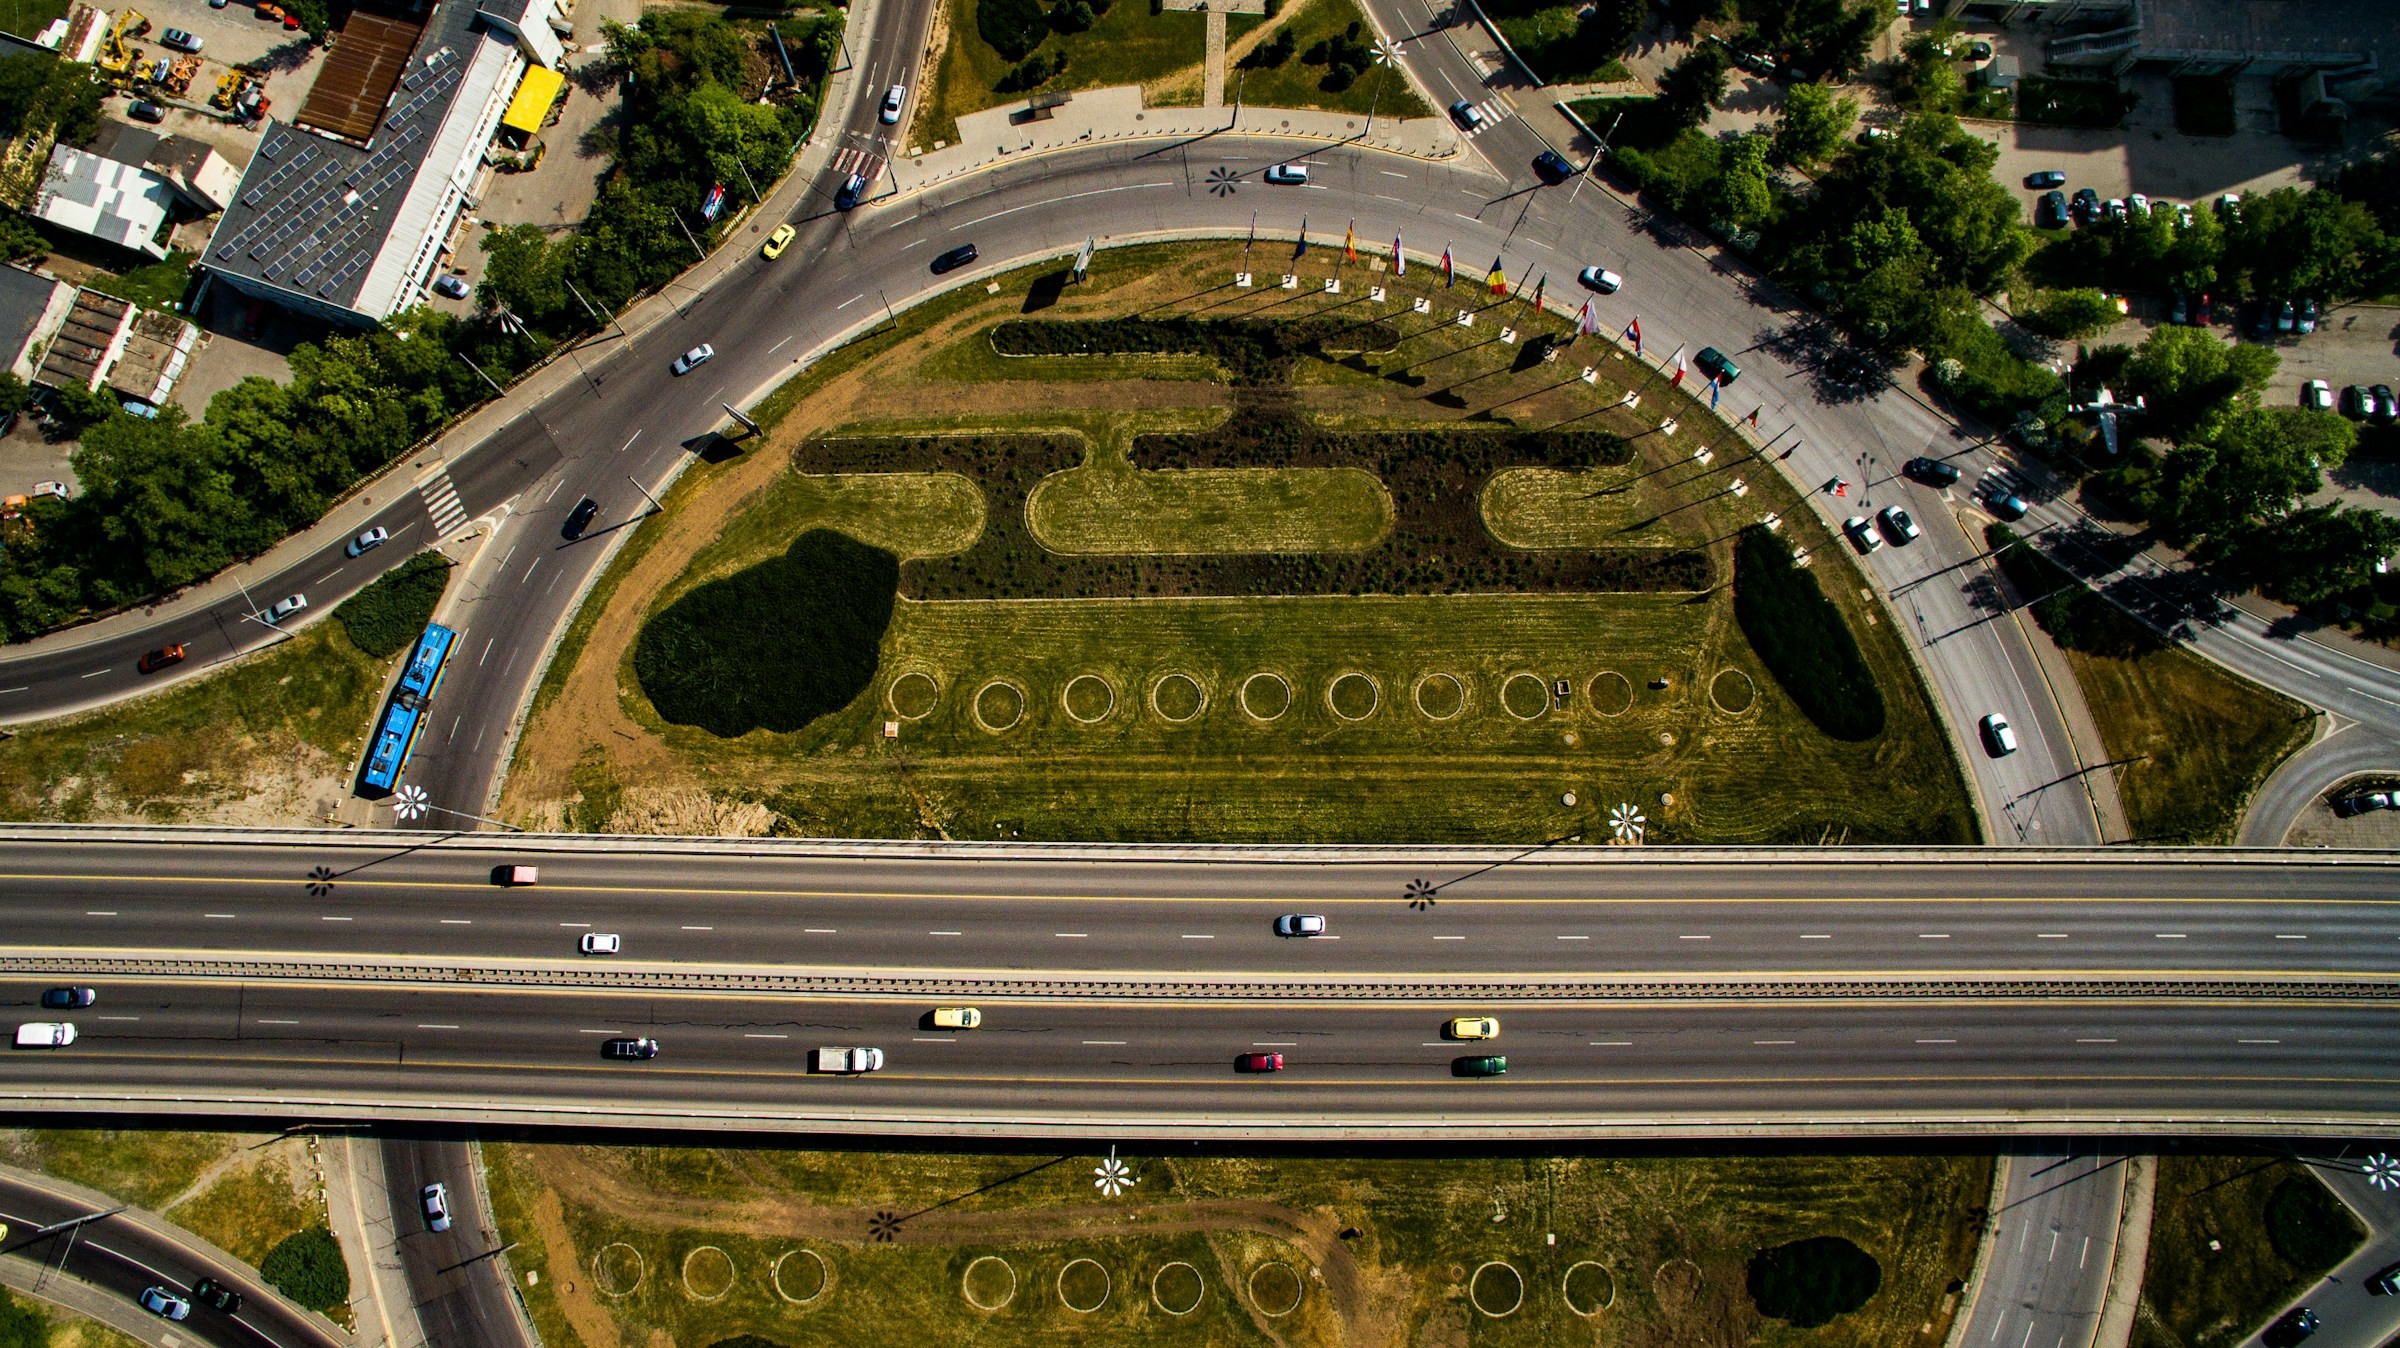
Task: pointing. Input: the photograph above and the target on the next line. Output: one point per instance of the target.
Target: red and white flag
(1399, 259)
(1586, 322)
(1677, 381)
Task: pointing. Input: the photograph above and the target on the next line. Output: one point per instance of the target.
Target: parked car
(893, 99)
(452, 285)
(2180, 310)
(1479, 1065)
(1287, 175)
(954, 259)
(1897, 526)
(2287, 316)
(579, 519)
(57, 490)
(2317, 395)
(778, 241)
(693, 359)
(217, 1296)
(1467, 115)
(2183, 217)
(1601, 279)
(956, 1018)
(2290, 1328)
(69, 999)
(1714, 364)
(847, 195)
(1258, 1062)
(2384, 1282)
(630, 1048)
(2358, 402)
(2356, 803)
(2115, 209)
(286, 607)
(2051, 211)
(434, 1199)
(1862, 534)
(601, 943)
(1300, 924)
(1472, 1027)
(169, 654)
(1552, 167)
(2137, 204)
(2387, 405)
(2308, 315)
(180, 40)
(2046, 178)
(142, 110)
(165, 1304)
(1931, 472)
(2086, 206)
(372, 538)
(2229, 208)
(1999, 738)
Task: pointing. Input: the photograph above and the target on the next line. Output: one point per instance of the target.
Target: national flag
(1712, 394)
(1399, 259)
(1449, 269)
(1350, 242)
(1538, 287)
(1302, 251)
(1754, 413)
(1585, 323)
(1634, 331)
(1498, 279)
(1677, 381)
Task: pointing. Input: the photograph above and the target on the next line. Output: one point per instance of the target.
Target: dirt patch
(593, 1324)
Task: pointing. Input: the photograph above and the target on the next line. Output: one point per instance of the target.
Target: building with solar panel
(345, 210)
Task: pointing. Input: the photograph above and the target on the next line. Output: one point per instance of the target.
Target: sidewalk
(1095, 116)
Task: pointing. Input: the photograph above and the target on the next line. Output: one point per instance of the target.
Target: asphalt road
(2047, 1270)
(125, 1257)
(456, 1276)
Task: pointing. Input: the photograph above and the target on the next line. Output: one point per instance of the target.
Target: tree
(2070, 313)
(1740, 195)
(1693, 87)
(1270, 54)
(524, 273)
(2190, 375)
(1072, 16)
(307, 1267)
(1612, 26)
(1925, 78)
(2314, 554)
(1811, 124)
(1012, 28)
(22, 1326)
(2252, 465)
(2316, 243)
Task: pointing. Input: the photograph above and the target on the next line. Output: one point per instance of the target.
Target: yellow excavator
(118, 60)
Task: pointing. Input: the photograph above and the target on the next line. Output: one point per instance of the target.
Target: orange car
(170, 654)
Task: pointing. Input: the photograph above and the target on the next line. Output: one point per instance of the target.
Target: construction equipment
(179, 76)
(118, 61)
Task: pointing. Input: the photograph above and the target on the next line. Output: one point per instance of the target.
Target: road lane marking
(2287, 936)
(1769, 1043)
(333, 919)
(18, 689)
(1933, 936)
(458, 922)
(1937, 1041)
(2258, 1041)
(279, 1022)
(821, 931)
(93, 675)
(629, 442)
(1275, 1043)
(1449, 938)
(220, 915)
(529, 571)
(1609, 1043)
(1574, 938)
(1816, 936)
(766, 1036)
(945, 933)
(437, 1027)
(850, 301)
(330, 574)
(1198, 936)
(2171, 936)
(599, 1032)
(2095, 1041)
(1050, 201)
(1694, 938)
(779, 346)
(935, 1039)
(1104, 1043)
(699, 928)
(2050, 936)
(99, 912)
(574, 924)
(1072, 935)
(120, 1017)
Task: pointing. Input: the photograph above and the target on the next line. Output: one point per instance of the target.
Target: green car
(1713, 363)
(1479, 1065)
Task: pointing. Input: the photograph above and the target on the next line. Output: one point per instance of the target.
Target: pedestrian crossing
(865, 163)
(441, 501)
(1493, 111)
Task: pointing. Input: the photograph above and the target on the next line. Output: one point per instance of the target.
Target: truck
(844, 1061)
(58, 1034)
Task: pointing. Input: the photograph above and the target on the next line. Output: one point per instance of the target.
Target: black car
(1931, 472)
(2384, 1283)
(2086, 206)
(216, 1296)
(2051, 212)
(579, 519)
(1552, 167)
(2358, 402)
(142, 110)
(954, 259)
(629, 1048)
(2362, 802)
(69, 999)
(2290, 1328)
(2387, 405)
(2046, 178)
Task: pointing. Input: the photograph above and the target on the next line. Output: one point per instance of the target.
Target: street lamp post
(411, 803)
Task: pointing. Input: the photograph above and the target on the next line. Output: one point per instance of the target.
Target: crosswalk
(1494, 111)
(441, 501)
(865, 163)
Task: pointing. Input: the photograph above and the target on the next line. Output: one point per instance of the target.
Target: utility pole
(497, 391)
(687, 233)
(745, 168)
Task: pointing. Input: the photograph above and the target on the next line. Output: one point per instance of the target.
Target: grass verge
(1128, 45)
(1295, 83)
(145, 1167)
(2232, 1239)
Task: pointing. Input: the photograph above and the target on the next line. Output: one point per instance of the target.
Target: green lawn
(144, 1167)
(1296, 84)
(27, 18)
(1107, 506)
(248, 1211)
(1545, 39)
(2219, 1264)
(1660, 1242)
(1129, 45)
(160, 285)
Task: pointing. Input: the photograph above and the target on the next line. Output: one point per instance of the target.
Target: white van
(45, 1034)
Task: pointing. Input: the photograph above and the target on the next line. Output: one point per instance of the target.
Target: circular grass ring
(1088, 698)
(1733, 692)
(1106, 1286)
(824, 1277)
(1609, 693)
(913, 695)
(1282, 1293)
(695, 1293)
(1353, 696)
(966, 1283)
(1476, 1291)
(1199, 1288)
(1264, 696)
(1440, 696)
(1525, 696)
(609, 1276)
(1177, 698)
(1600, 1288)
(1676, 1285)
(999, 705)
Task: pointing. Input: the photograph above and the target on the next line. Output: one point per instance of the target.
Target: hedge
(775, 646)
(307, 1267)
(1252, 351)
(1801, 638)
(1809, 1282)
(2063, 606)
(384, 618)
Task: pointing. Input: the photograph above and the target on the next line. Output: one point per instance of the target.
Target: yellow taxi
(1474, 1027)
(957, 1018)
(779, 240)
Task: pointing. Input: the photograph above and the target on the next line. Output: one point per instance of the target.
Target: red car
(171, 654)
(1258, 1062)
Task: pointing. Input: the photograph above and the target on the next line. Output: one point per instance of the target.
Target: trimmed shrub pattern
(1252, 351)
(775, 646)
(307, 1267)
(1801, 638)
(384, 618)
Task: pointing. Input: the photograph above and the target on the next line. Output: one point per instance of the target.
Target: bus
(396, 733)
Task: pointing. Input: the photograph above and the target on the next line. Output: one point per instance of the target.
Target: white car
(602, 943)
(2317, 395)
(165, 1304)
(285, 608)
(57, 489)
(1293, 174)
(1862, 534)
(434, 1199)
(1898, 525)
(1998, 737)
(1602, 279)
(693, 359)
(892, 101)
(1300, 924)
(2138, 204)
(371, 538)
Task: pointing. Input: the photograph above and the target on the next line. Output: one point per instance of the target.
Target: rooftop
(122, 203)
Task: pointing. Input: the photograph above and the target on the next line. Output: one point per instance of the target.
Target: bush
(1801, 638)
(1251, 350)
(2069, 314)
(307, 1267)
(1073, 16)
(1809, 1282)
(2310, 1227)
(1271, 53)
(1012, 27)
(385, 617)
(1036, 70)
(773, 647)
(2063, 606)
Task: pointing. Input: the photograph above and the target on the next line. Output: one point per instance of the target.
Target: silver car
(693, 359)
(1300, 924)
(435, 1199)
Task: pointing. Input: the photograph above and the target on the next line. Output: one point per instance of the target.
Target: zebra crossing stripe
(442, 503)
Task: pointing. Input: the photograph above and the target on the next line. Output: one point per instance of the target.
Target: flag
(1712, 394)
(1302, 251)
(1538, 287)
(1754, 413)
(1399, 259)
(1583, 320)
(1449, 269)
(1350, 242)
(1498, 280)
(1677, 381)
(1634, 331)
